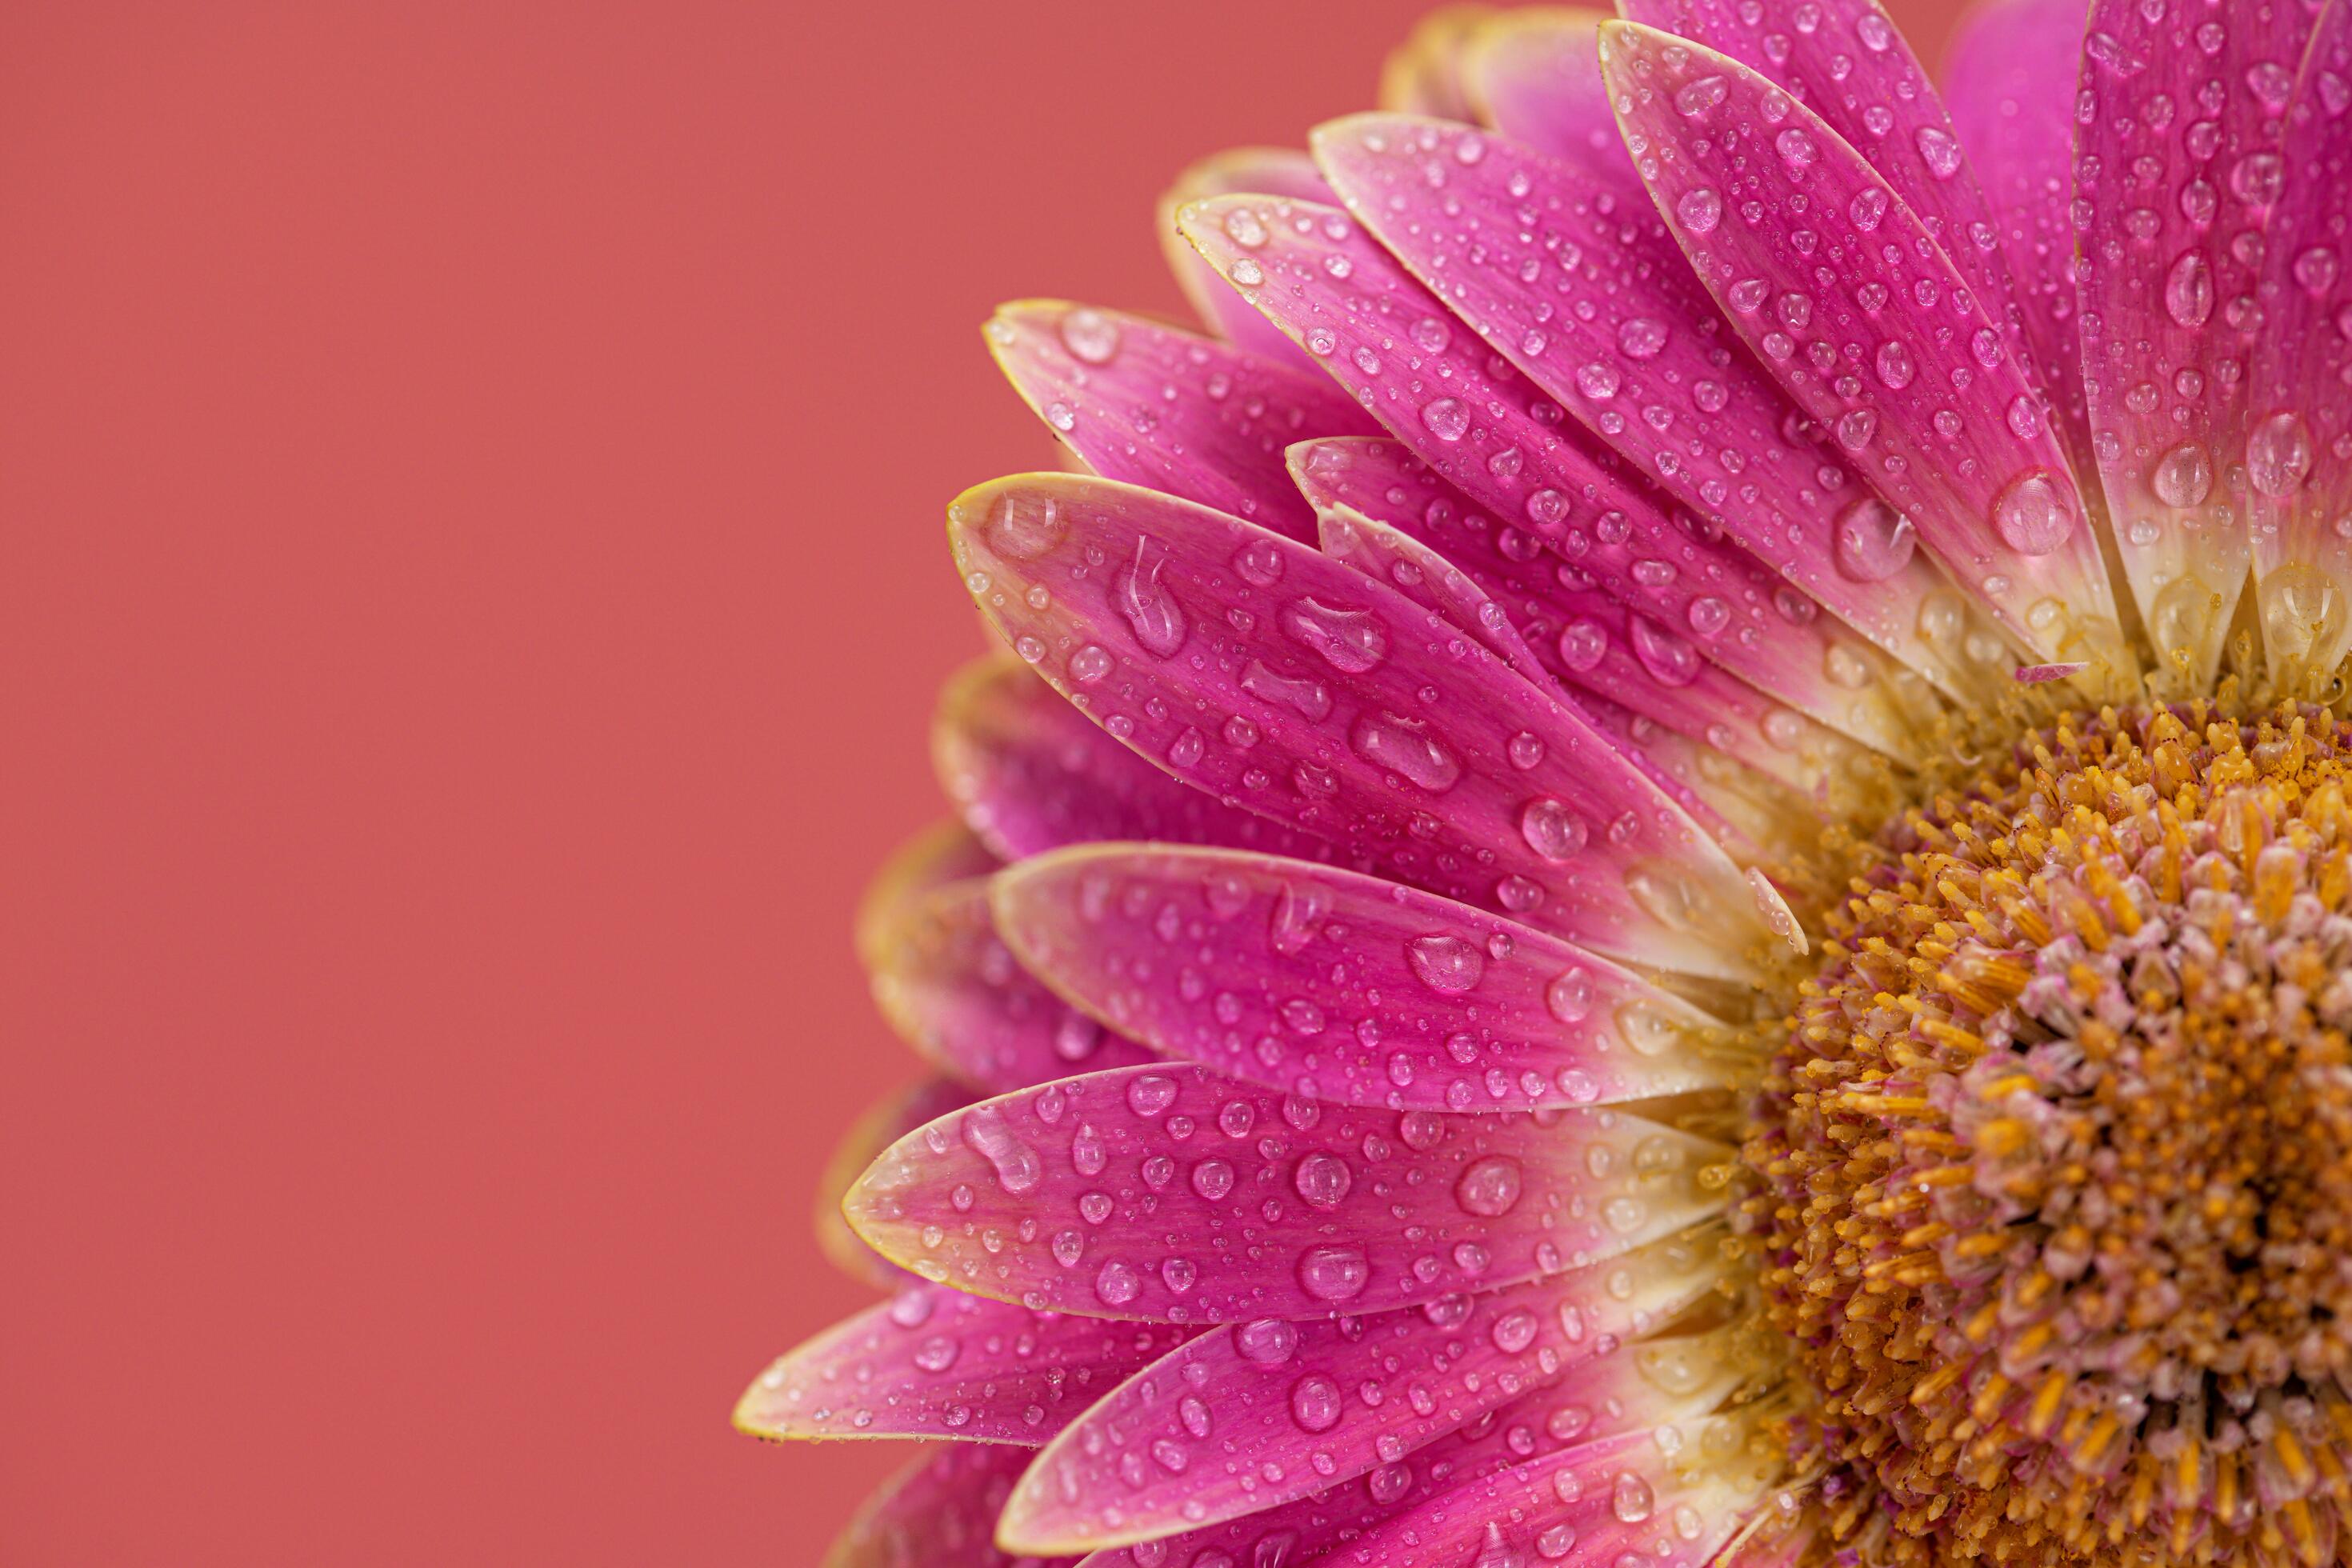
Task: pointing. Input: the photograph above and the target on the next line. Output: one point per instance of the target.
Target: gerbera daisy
(1659, 873)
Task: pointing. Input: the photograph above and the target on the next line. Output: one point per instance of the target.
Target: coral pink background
(470, 592)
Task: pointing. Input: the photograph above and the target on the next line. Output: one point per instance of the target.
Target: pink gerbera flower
(1640, 890)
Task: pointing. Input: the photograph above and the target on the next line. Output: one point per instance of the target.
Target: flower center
(2054, 1167)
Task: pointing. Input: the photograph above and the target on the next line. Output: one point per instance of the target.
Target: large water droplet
(2189, 290)
(1151, 612)
(1352, 641)
(1266, 1341)
(1405, 746)
(2278, 455)
(1445, 964)
(1670, 657)
(1315, 1404)
(1018, 1169)
(1447, 418)
(1333, 1273)
(2183, 476)
(1874, 540)
(1322, 1180)
(1489, 1188)
(2034, 513)
(1551, 829)
(1091, 337)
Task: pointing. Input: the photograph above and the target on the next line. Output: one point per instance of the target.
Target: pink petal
(1170, 411)
(1535, 75)
(1547, 1422)
(1581, 637)
(1272, 170)
(2299, 434)
(882, 1125)
(1390, 556)
(1582, 287)
(1271, 676)
(1424, 74)
(1666, 1500)
(1029, 772)
(2008, 80)
(1348, 987)
(934, 1363)
(1171, 1194)
(955, 993)
(1851, 67)
(1248, 1418)
(2167, 193)
(1897, 357)
(945, 852)
(1472, 418)
(938, 1513)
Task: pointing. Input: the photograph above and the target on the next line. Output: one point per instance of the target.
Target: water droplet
(1333, 1273)
(1489, 1188)
(1117, 1284)
(1569, 996)
(1939, 151)
(1516, 1330)
(2278, 455)
(1322, 1180)
(1874, 540)
(1151, 612)
(1266, 1341)
(2183, 476)
(1551, 829)
(1018, 1168)
(1025, 528)
(1405, 746)
(1583, 643)
(1695, 98)
(1151, 1094)
(1259, 562)
(1893, 364)
(1640, 338)
(2189, 290)
(1447, 418)
(1091, 337)
(1352, 641)
(1445, 964)
(1670, 657)
(1700, 209)
(1315, 1404)
(2034, 513)
(1630, 1497)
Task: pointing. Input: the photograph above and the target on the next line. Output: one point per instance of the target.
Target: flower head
(1659, 875)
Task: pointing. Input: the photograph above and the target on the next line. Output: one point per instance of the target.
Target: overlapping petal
(1272, 677)
(1534, 74)
(1503, 442)
(1029, 773)
(1169, 410)
(939, 1512)
(1355, 990)
(1278, 170)
(1836, 284)
(955, 993)
(1249, 1417)
(1588, 295)
(1174, 1194)
(2008, 84)
(1424, 75)
(935, 1362)
(1583, 638)
(2298, 462)
(2177, 165)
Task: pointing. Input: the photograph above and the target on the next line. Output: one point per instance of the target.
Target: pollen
(2052, 1166)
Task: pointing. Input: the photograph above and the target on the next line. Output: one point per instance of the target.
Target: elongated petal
(1275, 171)
(940, 1512)
(1895, 353)
(2009, 82)
(1582, 637)
(1547, 1422)
(1424, 74)
(1535, 75)
(1668, 1499)
(1170, 411)
(934, 1363)
(1590, 298)
(1851, 67)
(1172, 1194)
(1030, 774)
(960, 999)
(1390, 556)
(2169, 191)
(1354, 989)
(894, 1116)
(1268, 675)
(2299, 429)
(1250, 1417)
(945, 852)
(1471, 418)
